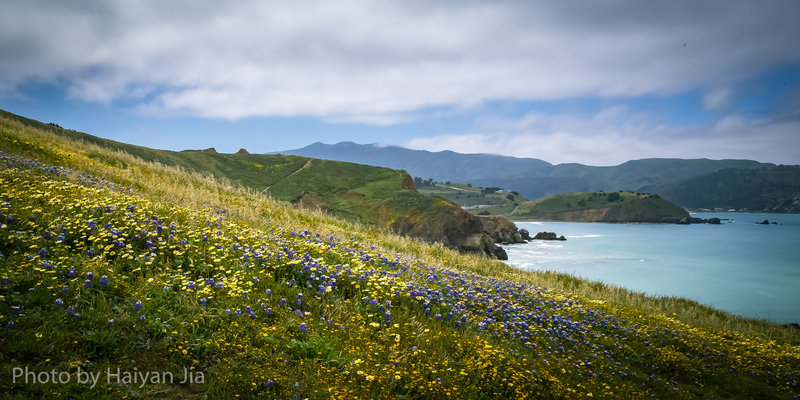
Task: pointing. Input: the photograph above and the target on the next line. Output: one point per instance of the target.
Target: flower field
(100, 274)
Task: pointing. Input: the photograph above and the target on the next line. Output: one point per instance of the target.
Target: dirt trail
(307, 164)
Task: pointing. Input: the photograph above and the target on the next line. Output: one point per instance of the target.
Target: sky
(594, 82)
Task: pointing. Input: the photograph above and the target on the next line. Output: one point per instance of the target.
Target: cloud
(716, 99)
(615, 135)
(384, 62)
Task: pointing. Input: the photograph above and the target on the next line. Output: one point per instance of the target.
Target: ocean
(739, 266)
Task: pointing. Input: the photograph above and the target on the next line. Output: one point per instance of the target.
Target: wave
(583, 236)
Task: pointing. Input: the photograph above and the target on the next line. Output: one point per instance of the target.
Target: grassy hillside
(378, 196)
(601, 207)
(112, 265)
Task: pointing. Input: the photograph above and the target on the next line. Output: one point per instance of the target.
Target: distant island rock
(548, 236)
(766, 222)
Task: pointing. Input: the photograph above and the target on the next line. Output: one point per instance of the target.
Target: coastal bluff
(602, 207)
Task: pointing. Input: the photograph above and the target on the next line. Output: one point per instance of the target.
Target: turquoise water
(739, 266)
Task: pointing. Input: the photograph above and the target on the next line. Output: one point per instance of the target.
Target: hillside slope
(602, 207)
(378, 196)
(113, 266)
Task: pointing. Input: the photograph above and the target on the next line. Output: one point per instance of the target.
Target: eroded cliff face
(502, 230)
(450, 225)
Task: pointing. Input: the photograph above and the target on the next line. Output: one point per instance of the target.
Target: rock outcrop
(548, 236)
(451, 226)
(502, 230)
(695, 220)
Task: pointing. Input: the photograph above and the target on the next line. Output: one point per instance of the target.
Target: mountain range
(675, 179)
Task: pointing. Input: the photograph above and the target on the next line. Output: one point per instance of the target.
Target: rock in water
(548, 236)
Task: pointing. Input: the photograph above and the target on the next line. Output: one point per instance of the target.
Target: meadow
(111, 264)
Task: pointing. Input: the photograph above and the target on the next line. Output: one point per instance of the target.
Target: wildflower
(89, 276)
(203, 302)
(59, 302)
(190, 285)
(269, 292)
(5, 281)
(142, 318)
(42, 253)
(244, 294)
(10, 324)
(303, 328)
(87, 284)
(70, 311)
(283, 302)
(137, 306)
(16, 310)
(104, 281)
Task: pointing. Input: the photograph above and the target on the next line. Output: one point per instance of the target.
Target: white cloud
(384, 62)
(615, 135)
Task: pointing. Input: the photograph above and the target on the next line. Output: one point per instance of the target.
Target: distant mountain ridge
(534, 178)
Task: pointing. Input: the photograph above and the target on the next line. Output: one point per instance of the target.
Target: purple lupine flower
(137, 306)
(269, 292)
(89, 276)
(5, 281)
(203, 302)
(248, 309)
(103, 281)
(59, 302)
(42, 253)
(299, 313)
(303, 328)
(142, 318)
(283, 302)
(244, 294)
(87, 284)
(71, 311)
(190, 285)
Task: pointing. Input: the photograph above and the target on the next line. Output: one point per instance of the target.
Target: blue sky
(598, 83)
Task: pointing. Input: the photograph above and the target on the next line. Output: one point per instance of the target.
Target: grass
(366, 314)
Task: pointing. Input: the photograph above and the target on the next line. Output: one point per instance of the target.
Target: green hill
(377, 196)
(154, 281)
(601, 207)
